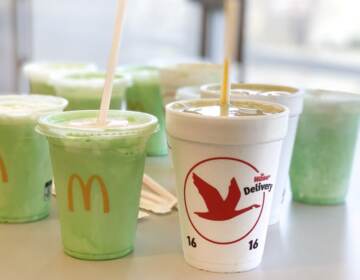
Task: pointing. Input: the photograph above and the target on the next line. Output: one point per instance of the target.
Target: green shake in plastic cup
(144, 95)
(25, 169)
(325, 147)
(84, 90)
(98, 176)
(41, 74)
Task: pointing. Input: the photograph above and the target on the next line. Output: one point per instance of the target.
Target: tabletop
(311, 242)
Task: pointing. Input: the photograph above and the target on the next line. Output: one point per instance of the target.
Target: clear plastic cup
(25, 169)
(225, 169)
(325, 147)
(40, 74)
(98, 176)
(290, 97)
(173, 77)
(84, 90)
(144, 95)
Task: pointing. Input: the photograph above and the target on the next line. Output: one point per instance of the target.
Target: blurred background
(306, 43)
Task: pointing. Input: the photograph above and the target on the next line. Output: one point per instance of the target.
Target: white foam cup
(226, 168)
(290, 97)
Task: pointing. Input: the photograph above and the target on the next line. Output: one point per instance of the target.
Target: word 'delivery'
(86, 192)
(258, 188)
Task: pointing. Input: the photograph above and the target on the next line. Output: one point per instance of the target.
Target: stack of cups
(41, 74)
(290, 97)
(25, 169)
(226, 168)
(98, 174)
(325, 147)
(173, 77)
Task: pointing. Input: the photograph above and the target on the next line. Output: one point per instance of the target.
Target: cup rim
(294, 92)
(55, 103)
(284, 110)
(40, 71)
(47, 125)
(70, 80)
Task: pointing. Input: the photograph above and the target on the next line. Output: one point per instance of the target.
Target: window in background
(82, 30)
(311, 43)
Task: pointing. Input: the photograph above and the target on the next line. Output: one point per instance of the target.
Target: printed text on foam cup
(259, 186)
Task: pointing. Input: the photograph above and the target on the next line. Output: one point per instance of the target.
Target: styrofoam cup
(290, 97)
(225, 168)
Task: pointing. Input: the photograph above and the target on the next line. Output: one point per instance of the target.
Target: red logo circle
(208, 208)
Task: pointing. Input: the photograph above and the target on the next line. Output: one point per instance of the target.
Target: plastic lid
(326, 101)
(290, 97)
(90, 79)
(144, 73)
(59, 125)
(24, 106)
(43, 71)
(235, 130)
(192, 66)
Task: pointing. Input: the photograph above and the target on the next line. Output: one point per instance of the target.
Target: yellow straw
(231, 11)
(113, 59)
(224, 98)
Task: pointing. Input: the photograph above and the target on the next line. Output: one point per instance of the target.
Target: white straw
(154, 197)
(154, 207)
(142, 215)
(114, 56)
(157, 188)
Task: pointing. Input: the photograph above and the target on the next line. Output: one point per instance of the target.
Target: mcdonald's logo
(86, 192)
(4, 176)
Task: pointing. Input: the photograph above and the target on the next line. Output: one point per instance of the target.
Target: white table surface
(310, 243)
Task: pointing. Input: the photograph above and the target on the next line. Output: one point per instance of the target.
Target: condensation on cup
(226, 169)
(290, 97)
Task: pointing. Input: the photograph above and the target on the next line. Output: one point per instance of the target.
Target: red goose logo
(218, 208)
(223, 201)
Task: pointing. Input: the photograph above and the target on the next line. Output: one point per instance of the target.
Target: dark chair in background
(210, 6)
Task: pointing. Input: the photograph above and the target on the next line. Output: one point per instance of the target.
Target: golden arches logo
(4, 175)
(86, 192)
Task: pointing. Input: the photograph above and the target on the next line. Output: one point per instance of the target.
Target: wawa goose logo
(220, 209)
(223, 200)
(86, 192)
(3, 172)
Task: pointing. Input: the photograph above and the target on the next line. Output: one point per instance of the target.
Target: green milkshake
(325, 147)
(144, 95)
(84, 90)
(98, 176)
(25, 170)
(41, 74)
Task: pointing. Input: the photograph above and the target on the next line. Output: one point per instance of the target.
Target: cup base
(319, 201)
(23, 220)
(98, 257)
(223, 267)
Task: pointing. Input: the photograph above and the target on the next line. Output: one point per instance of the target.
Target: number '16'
(253, 244)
